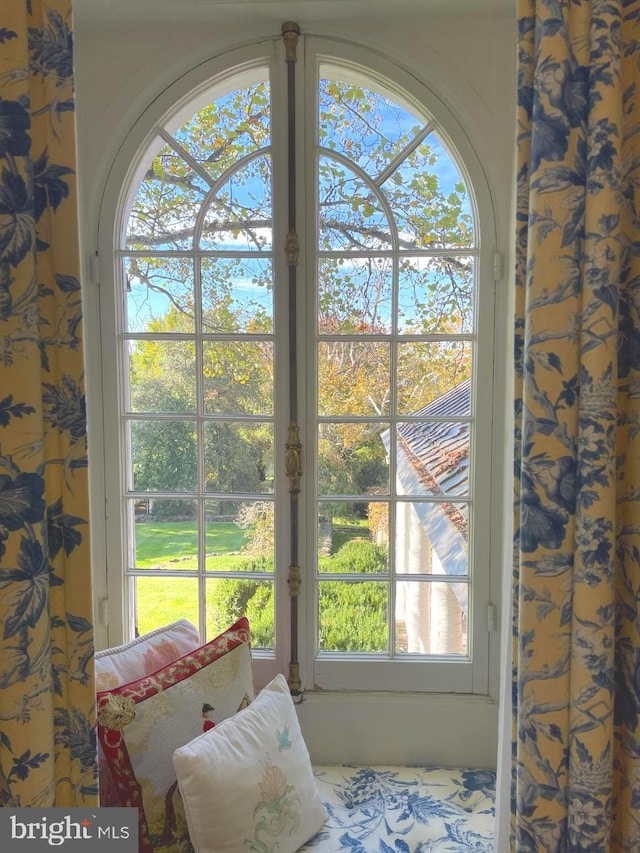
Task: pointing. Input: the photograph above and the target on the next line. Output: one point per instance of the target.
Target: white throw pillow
(144, 655)
(248, 783)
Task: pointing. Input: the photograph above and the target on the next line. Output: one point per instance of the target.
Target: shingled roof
(439, 450)
(433, 461)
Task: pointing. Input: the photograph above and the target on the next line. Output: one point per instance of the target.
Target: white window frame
(178, 103)
(177, 100)
(432, 674)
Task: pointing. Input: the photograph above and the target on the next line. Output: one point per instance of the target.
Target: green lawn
(174, 544)
(160, 601)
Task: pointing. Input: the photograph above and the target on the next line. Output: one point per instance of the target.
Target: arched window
(303, 374)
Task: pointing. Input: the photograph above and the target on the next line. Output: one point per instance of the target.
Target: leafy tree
(258, 518)
(164, 454)
(236, 380)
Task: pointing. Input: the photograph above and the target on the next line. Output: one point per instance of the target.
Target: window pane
(426, 371)
(429, 199)
(238, 457)
(432, 538)
(160, 601)
(431, 618)
(165, 533)
(350, 213)
(228, 129)
(240, 536)
(364, 125)
(352, 617)
(162, 376)
(354, 296)
(238, 377)
(159, 295)
(433, 458)
(436, 296)
(237, 295)
(239, 216)
(166, 203)
(163, 454)
(229, 599)
(352, 459)
(353, 378)
(353, 538)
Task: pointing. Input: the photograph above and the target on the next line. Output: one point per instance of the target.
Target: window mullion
(201, 513)
(293, 456)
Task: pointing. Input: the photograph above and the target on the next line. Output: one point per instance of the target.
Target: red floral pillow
(130, 661)
(140, 724)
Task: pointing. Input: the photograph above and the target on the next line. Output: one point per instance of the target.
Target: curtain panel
(47, 735)
(576, 696)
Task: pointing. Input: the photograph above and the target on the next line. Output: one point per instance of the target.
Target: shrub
(229, 599)
(357, 556)
(353, 616)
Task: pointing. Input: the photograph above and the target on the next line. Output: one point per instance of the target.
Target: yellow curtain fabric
(577, 579)
(47, 736)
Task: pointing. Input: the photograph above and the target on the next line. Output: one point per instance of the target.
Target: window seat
(165, 682)
(392, 809)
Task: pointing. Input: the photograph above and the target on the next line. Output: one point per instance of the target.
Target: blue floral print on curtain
(577, 576)
(47, 735)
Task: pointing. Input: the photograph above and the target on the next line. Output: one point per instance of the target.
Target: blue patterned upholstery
(405, 810)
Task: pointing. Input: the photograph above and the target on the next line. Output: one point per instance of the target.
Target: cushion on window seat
(387, 809)
(405, 810)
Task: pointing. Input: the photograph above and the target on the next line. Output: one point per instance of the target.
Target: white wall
(126, 54)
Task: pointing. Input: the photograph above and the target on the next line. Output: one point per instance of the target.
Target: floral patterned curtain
(577, 581)
(47, 738)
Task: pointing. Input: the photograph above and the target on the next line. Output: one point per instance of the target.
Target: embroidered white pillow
(248, 783)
